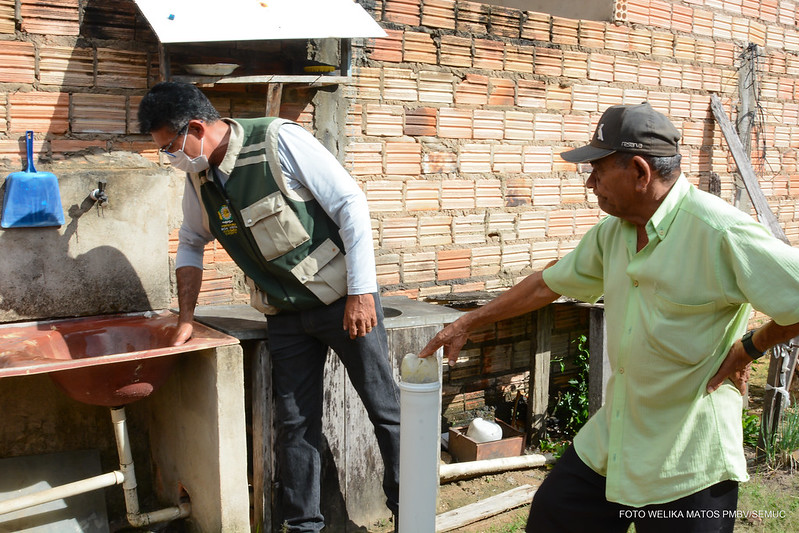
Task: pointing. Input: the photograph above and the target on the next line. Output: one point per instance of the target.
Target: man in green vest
(298, 226)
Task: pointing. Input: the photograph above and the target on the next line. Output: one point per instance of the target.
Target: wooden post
(539, 374)
(263, 424)
(274, 95)
(598, 362)
(783, 357)
(746, 117)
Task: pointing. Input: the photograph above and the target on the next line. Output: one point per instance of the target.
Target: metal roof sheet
(187, 21)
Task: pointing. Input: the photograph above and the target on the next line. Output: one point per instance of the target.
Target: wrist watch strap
(749, 346)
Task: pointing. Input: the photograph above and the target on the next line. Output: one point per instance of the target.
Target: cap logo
(599, 133)
(630, 144)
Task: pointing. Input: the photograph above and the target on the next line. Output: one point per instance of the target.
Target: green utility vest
(283, 240)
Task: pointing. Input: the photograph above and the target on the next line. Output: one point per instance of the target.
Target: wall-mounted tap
(98, 194)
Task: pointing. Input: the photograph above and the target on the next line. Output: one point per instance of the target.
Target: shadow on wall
(41, 280)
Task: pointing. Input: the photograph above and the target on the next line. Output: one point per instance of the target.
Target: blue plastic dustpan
(32, 198)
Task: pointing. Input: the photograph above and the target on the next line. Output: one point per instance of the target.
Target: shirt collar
(659, 224)
(235, 142)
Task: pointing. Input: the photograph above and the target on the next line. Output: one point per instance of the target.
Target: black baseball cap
(637, 129)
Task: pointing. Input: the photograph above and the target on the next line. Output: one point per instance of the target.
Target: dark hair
(667, 167)
(173, 105)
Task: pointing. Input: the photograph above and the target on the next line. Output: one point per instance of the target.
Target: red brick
(519, 58)
(548, 62)
(559, 97)
(488, 124)
(399, 232)
(422, 195)
(436, 87)
(507, 159)
(453, 264)
(119, 68)
(565, 31)
(472, 17)
(489, 193)
(420, 121)
(473, 90)
(617, 38)
(488, 55)
(419, 48)
(682, 18)
(439, 14)
(388, 269)
(600, 67)
(455, 123)
(641, 40)
(475, 158)
(402, 12)
(364, 158)
(592, 34)
(537, 27)
(435, 231)
(16, 62)
(400, 84)
(384, 196)
(530, 93)
(456, 51)
(54, 17)
(439, 162)
(457, 194)
(538, 159)
(501, 92)
(98, 113)
(518, 191)
(39, 111)
(384, 120)
(505, 21)
(67, 66)
(638, 12)
(519, 126)
(403, 158)
(388, 48)
(659, 14)
(7, 18)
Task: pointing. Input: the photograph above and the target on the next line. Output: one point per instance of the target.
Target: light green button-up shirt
(672, 312)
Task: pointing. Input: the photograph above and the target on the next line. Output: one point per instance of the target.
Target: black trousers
(572, 500)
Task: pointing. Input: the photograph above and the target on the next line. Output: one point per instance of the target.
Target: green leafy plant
(572, 408)
(780, 446)
(751, 427)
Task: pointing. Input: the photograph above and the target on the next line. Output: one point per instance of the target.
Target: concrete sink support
(352, 468)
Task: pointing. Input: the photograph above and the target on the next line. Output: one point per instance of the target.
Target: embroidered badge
(229, 226)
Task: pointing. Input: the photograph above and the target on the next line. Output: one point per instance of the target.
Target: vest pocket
(324, 272)
(259, 300)
(275, 226)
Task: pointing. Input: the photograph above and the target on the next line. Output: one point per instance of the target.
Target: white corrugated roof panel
(193, 21)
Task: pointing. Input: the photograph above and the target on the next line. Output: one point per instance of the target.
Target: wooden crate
(463, 448)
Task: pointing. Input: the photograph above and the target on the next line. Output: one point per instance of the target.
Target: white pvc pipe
(125, 476)
(135, 517)
(420, 435)
(62, 491)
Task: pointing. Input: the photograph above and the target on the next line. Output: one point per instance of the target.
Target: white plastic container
(420, 424)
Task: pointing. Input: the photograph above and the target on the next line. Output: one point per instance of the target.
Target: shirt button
(635, 282)
(621, 370)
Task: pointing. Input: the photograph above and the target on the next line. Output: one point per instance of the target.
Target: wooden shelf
(315, 80)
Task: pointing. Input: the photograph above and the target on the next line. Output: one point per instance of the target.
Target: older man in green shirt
(680, 271)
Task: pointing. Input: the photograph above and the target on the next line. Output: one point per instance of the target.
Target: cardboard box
(463, 448)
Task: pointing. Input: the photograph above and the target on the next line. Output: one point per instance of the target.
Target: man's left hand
(736, 366)
(360, 315)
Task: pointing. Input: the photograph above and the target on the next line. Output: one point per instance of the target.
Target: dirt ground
(456, 494)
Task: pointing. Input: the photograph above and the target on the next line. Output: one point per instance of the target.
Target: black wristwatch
(749, 346)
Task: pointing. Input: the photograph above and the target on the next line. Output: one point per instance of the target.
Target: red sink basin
(102, 360)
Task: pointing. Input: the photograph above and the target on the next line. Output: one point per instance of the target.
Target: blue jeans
(298, 344)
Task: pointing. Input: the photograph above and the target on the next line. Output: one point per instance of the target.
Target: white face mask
(182, 162)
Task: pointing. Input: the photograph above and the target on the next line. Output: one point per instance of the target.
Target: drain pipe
(126, 476)
(135, 517)
(420, 432)
(63, 491)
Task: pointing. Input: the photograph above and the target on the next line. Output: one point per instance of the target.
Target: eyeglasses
(166, 149)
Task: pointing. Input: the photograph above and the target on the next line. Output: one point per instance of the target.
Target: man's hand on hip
(360, 315)
(736, 366)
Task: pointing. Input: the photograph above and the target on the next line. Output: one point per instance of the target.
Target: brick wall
(459, 114)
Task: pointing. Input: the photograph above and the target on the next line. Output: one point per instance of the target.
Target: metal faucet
(98, 194)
